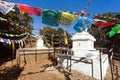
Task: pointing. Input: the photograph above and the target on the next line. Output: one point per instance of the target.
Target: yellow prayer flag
(67, 18)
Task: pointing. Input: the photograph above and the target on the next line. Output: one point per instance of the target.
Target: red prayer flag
(101, 24)
(30, 10)
(89, 1)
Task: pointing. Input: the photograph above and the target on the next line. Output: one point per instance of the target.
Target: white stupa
(83, 40)
(83, 43)
(40, 43)
(83, 47)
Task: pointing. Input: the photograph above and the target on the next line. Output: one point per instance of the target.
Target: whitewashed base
(92, 70)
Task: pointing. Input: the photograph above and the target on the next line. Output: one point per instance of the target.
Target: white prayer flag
(5, 7)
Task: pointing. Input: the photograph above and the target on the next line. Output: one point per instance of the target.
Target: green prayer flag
(112, 33)
(114, 30)
(50, 17)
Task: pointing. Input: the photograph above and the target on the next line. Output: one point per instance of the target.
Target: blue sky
(95, 7)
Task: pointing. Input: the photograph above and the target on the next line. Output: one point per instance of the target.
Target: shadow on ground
(11, 73)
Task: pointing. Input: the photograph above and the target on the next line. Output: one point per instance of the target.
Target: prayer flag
(103, 24)
(67, 18)
(13, 45)
(65, 38)
(9, 42)
(5, 40)
(30, 10)
(95, 20)
(89, 1)
(1, 39)
(5, 7)
(17, 11)
(50, 17)
(82, 24)
(114, 30)
(2, 19)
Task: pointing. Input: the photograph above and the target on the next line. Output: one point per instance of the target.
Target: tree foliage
(16, 23)
(54, 37)
(101, 35)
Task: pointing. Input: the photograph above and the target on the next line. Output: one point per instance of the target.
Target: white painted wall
(84, 44)
(86, 68)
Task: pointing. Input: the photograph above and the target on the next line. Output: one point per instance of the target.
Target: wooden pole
(111, 63)
(35, 55)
